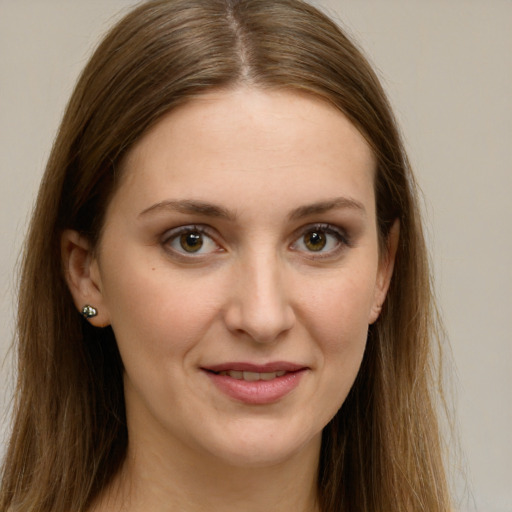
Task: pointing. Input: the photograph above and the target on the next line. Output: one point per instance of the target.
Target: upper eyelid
(201, 228)
(322, 226)
(344, 241)
(173, 233)
(205, 228)
(213, 234)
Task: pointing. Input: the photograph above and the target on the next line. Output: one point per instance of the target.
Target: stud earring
(88, 312)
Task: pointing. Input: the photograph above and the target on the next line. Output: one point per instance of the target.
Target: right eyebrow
(190, 206)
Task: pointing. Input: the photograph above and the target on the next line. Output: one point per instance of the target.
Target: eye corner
(331, 241)
(201, 239)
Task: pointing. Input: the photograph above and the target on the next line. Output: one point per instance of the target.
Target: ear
(385, 271)
(83, 276)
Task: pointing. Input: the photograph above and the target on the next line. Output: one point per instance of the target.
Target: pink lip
(260, 392)
(258, 368)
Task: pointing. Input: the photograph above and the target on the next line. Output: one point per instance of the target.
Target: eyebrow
(190, 206)
(338, 203)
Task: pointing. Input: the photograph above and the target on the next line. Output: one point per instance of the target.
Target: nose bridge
(260, 305)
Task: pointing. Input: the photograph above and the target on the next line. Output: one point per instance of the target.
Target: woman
(225, 298)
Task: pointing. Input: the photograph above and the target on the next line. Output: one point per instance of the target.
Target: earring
(88, 312)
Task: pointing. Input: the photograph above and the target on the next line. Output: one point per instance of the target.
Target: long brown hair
(382, 451)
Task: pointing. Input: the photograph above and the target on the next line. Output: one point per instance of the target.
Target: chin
(262, 449)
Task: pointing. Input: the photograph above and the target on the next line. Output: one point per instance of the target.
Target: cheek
(339, 310)
(339, 324)
(156, 313)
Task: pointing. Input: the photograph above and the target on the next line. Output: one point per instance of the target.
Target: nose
(259, 307)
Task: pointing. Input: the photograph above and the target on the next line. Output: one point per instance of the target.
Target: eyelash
(174, 235)
(341, 240)
(207, 234)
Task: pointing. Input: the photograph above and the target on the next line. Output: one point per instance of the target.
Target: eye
(315, 240)
(190, 241)
(323, 239)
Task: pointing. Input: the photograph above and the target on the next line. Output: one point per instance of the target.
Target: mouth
(256, 384)
(253, 372)
(251, 376)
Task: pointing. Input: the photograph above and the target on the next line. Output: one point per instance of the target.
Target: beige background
(448, 68)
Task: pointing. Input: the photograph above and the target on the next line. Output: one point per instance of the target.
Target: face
(239, 269)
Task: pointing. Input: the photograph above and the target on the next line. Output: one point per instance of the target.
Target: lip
(260, 392)
(273, 366)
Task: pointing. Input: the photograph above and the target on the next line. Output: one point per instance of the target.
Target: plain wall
(447, 66)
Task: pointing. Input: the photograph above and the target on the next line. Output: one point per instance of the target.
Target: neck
(165, 482)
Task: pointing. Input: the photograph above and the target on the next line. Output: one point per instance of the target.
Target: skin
(258, 290)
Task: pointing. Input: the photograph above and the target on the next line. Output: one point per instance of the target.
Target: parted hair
(382, 451)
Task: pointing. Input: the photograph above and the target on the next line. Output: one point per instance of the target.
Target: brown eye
(191, 241)
(321, 241)
(315, 240)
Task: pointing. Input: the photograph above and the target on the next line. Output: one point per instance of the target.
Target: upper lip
(274, 366)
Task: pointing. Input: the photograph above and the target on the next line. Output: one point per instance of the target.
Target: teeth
(252, 376)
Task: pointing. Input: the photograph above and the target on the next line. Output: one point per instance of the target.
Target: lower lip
(259, 392)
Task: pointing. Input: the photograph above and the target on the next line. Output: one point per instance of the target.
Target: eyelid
(341, 234)
(173, 233)
(343, 240)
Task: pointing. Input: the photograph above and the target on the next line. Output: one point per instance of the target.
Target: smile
(256, 384)
(252, 376)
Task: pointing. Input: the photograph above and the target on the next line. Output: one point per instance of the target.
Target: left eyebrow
(338, 203)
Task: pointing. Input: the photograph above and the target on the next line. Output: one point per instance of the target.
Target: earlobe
(82, 276)
(385, 272)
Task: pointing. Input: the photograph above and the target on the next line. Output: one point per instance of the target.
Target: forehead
(247, 145)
